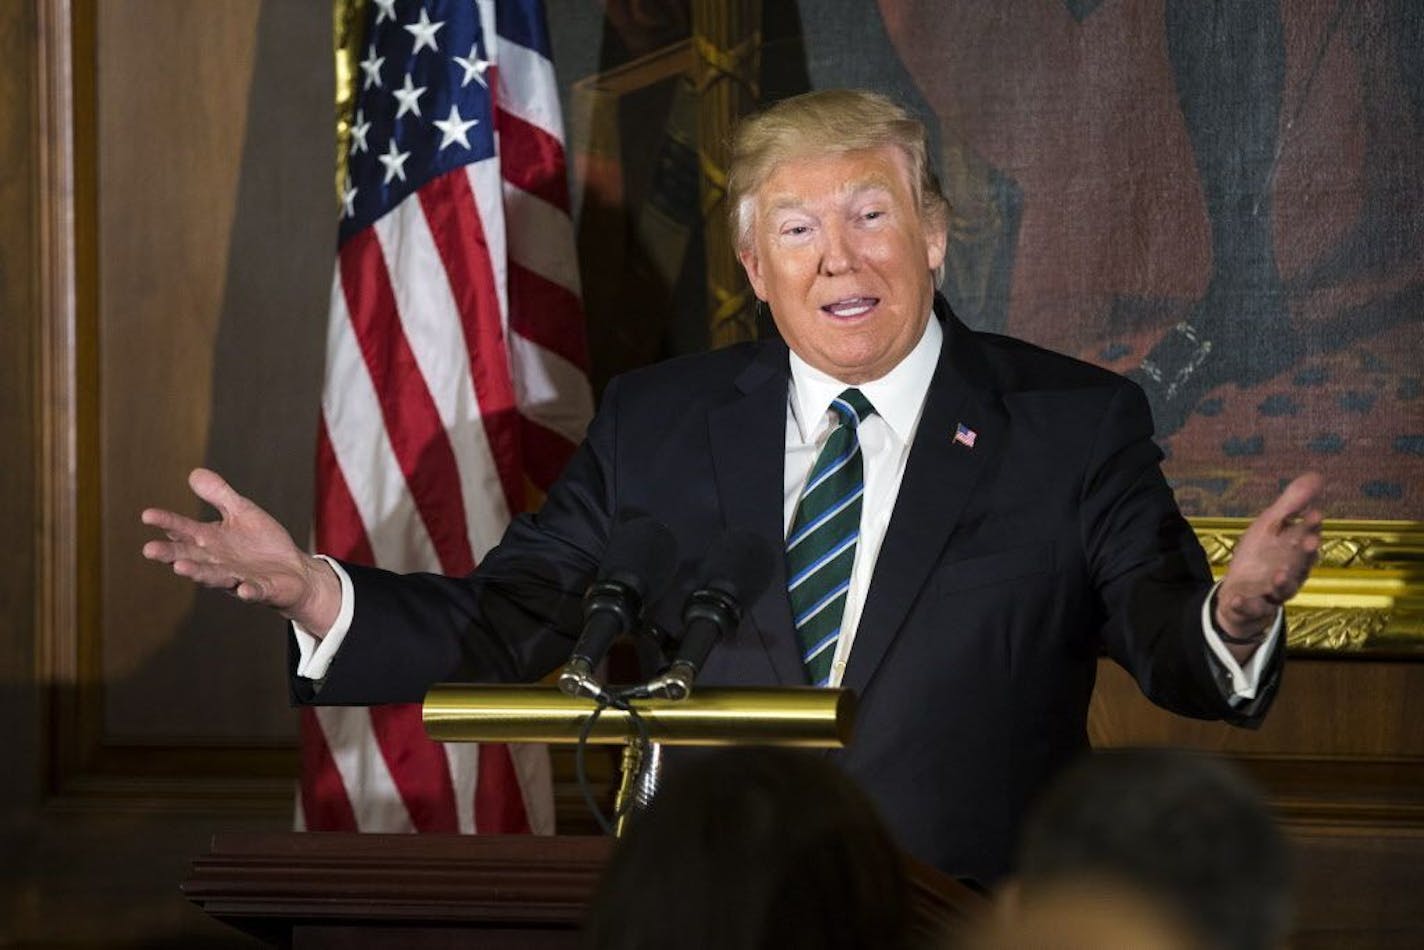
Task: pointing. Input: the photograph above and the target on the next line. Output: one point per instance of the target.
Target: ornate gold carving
(1366, 593)
(348, 20)
(1218, 546)
(1340, 628)
(727, 41)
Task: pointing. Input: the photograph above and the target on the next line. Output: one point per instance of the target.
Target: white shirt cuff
(314, 655)
(1244, 680)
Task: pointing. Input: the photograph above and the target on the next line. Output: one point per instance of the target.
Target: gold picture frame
(1366, 594)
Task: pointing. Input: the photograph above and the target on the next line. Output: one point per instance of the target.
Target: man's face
(840, 254)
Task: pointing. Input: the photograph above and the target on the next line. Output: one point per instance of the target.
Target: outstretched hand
(247, 553)
(1272, 559)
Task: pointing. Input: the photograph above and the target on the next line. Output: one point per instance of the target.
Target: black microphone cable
(580, 765)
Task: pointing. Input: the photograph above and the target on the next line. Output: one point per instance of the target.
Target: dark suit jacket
(1006, 570)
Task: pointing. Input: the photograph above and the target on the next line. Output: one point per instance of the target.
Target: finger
(250, 592)
(206, 574)
(180, 550)
(1288, 582)
(1308, 525)
(170, 522)
(160, 551)
(1296, 499)
(1249, 610)
(214, 489)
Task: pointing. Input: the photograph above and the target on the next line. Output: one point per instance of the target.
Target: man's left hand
(1272, 560)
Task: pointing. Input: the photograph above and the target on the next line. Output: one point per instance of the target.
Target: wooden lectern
(315, 890)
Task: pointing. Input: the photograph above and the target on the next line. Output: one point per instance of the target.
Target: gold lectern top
(803, 717)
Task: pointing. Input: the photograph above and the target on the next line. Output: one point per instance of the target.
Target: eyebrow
(850, 189)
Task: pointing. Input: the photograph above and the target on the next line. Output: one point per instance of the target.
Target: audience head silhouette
(1184, 830)
(753, 848)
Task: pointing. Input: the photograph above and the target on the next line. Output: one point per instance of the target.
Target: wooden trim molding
(493, 891)
(84, 768)
(1384, 792)
(62, 667)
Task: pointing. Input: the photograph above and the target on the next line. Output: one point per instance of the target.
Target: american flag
(965, 436)
(456, 381)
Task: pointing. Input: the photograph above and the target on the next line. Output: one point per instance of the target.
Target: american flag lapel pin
(965, 436)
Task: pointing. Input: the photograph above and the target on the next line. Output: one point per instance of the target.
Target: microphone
(637, 566)
(735, 573)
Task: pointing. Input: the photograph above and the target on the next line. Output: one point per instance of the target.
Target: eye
(874, 215)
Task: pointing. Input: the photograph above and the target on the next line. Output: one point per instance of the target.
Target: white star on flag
(387, 10)
(424, 32)
(454, 128)
(348, 199)
(359, 128)
(394, 160)
(371, 66)
(409, 97)
(474, 67)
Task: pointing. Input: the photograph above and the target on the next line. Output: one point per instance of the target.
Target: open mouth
(848, 307)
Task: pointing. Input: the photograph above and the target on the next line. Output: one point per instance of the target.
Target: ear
(752, 265)
(936, 245)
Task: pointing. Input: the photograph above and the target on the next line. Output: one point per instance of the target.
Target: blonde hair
(828, 121)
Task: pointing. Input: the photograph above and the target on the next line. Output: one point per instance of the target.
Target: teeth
(851, 308)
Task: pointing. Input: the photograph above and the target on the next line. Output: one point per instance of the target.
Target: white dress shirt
(885, 440)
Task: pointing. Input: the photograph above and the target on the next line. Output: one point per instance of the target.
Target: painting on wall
(1224, 201)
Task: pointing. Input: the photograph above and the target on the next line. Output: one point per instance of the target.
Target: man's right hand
(246, 553)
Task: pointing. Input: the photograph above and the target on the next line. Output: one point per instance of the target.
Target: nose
(837, 252)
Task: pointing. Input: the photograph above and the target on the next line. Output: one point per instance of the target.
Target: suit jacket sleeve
(1152, 576)
(513, 620)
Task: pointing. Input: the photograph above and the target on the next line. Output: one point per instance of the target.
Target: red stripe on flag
(499, 807)
(532, 160)
(417, 765)
(422, 446)
(454, 218)
(547, 314)
(338, 526)
(325, 806)
(546, 452)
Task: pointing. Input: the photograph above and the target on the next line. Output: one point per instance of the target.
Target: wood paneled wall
(1342, 743)
(19, 292)
(167, 247)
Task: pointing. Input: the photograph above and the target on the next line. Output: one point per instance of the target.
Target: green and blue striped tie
(820, 549)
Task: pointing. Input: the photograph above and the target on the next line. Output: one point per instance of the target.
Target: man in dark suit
(966, 519)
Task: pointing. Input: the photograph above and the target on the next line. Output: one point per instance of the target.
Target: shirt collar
(898, 396)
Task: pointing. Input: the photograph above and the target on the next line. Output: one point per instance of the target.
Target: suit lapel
(748, 437)
(939, 477)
